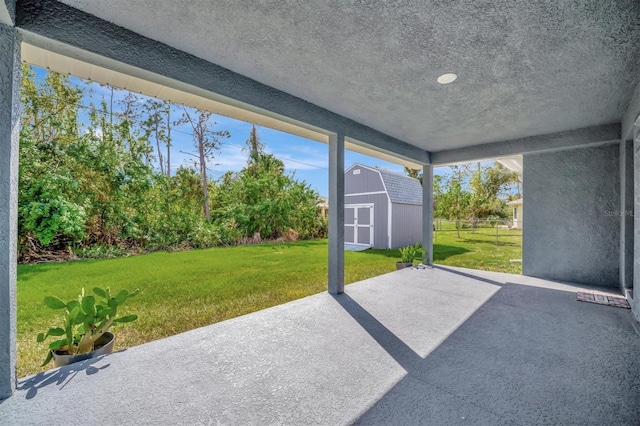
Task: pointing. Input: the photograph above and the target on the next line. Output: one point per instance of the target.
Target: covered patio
(422, 345)
(556, 82)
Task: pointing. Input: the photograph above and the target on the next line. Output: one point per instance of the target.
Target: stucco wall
(572, 231)
(635, 302)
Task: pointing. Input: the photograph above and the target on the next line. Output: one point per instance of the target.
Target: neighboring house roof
(514, 202)
(323, 201)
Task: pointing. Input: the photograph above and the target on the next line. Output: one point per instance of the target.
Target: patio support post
(9, 132)
(427, 213)
(626, 215)
(336, 214)
(635, 287)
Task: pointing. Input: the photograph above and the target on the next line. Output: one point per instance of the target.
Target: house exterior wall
(406, 225)
(380, 216)
(366, 181)
(572, 231)
(635, 299)
(517, 222)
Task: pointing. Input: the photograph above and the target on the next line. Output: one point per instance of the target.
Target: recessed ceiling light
(447, 78)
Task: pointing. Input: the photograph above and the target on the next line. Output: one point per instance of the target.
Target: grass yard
(477, 249)
(181, 291)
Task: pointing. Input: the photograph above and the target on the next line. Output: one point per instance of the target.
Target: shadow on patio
(435, 346)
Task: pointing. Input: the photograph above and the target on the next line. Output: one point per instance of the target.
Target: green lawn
(184, 290)
(477, 248)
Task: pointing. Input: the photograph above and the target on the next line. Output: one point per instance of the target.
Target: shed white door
(358, 224)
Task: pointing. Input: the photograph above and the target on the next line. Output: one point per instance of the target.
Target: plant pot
(104, 346)
(402, 265)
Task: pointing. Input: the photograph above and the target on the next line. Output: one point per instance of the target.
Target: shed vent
(356, 172)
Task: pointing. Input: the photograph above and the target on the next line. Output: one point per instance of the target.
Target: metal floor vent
(602, 298)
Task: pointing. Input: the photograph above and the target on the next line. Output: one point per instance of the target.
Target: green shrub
(86, 319)
(409, 254)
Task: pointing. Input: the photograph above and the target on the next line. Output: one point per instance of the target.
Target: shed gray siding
(367, 181)
(406, 226)
(380, 216)
(572, 227)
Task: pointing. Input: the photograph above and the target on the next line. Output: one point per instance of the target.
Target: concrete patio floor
(417, 346)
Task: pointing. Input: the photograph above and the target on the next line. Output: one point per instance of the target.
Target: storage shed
(382, 209)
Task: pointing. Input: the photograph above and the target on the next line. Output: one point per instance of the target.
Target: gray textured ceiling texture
(525, 67)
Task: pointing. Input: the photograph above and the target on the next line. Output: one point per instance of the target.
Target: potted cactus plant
(87, 319)
(408, 254)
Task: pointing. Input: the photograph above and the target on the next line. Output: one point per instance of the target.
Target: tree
(206, 141)
(454, 202)
(92, 185)
(487, 184)
(254, 145)
(262, 199)
(50, 210)
(438, 191)
(79, 184)
(157, 126)
(473, 191)
(414, 173)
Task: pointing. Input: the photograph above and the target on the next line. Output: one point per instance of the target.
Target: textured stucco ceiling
(525, 67)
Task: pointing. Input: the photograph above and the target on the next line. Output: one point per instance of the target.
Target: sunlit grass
(181, 291)
(486, 248)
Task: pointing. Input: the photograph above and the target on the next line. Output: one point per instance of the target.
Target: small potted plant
(408, 254)
(84, 333)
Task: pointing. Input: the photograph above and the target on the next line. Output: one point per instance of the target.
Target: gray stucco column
(336, 214)
(427, 214)
(626, 215)
(9, 132)
(635, 300)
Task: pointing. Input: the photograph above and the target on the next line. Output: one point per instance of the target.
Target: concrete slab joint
(9, 132)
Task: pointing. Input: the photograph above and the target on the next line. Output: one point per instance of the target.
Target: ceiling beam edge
(7, 12)
(587, 136)
(64, 24)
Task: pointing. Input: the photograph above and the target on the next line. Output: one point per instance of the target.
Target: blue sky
(307, 159)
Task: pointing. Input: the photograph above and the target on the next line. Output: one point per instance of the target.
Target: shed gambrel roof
(402, 189)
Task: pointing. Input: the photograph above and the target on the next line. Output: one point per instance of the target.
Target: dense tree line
(104, 185)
